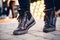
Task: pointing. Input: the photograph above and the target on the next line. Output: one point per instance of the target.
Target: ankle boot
(50, 21)
(25, 22)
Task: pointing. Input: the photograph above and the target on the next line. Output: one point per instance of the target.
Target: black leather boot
(50, 21)
(25, 18)
(25, 22)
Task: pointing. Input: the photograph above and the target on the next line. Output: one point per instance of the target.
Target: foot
(24, 30)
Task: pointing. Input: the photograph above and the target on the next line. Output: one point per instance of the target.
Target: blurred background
(36, 7)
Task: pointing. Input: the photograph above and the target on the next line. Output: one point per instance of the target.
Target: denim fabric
(24, 4)
(51, 4)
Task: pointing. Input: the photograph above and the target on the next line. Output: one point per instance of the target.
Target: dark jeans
(57, 5)
(24, 5)
(51, 4)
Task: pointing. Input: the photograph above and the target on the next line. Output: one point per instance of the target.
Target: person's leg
(50, 17)
(7, 13)
(25, 18)
(12, 9)
(12, 5)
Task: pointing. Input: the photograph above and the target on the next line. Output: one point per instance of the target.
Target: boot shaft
(50, 18)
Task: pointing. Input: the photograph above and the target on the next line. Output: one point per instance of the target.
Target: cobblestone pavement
(35, 32)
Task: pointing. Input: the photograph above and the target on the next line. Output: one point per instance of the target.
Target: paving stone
(56, 33)
(35, 32)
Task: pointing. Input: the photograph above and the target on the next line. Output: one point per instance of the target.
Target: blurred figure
(7, 6)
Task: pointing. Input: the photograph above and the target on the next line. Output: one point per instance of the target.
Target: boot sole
(47, 31)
